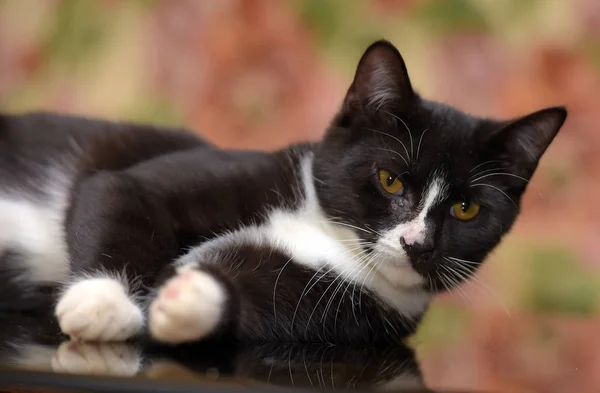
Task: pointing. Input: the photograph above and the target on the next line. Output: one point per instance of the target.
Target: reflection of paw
(115, 359)
(98, 309)
(188, 307)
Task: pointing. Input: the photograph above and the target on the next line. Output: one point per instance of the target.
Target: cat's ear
(381, 81)
(525, 139)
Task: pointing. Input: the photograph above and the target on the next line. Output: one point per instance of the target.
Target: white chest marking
(311, 239)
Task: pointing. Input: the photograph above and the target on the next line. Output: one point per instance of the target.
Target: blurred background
(264, 73)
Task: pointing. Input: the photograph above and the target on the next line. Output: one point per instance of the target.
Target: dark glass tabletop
(33, 355)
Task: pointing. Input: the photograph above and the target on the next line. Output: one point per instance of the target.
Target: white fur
(312, 240)
(188, 307)
(35, 229)
(112, 359)
(416, 230)
(99, 309)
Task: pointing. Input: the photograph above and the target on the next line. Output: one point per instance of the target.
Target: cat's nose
(418, 250)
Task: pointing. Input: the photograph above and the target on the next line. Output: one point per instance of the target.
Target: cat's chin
(398, 272)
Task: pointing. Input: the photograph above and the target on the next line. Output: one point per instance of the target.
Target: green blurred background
(264, 73)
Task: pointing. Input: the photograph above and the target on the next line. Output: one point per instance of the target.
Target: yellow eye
(389, 182)
(464, 211)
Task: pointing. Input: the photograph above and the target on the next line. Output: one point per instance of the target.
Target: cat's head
(430, 189)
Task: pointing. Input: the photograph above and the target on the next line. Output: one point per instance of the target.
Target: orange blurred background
(264, 73)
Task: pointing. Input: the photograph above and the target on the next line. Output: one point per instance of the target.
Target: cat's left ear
(381, 82)
(523, 141)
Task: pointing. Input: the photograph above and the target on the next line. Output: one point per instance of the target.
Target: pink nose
(413, 236)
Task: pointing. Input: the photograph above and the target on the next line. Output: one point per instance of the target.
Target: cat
(139, 230)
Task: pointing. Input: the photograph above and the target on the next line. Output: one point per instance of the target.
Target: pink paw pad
(171, 291)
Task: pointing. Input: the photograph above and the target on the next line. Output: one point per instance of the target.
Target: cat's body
(344, 240)
(262, 213)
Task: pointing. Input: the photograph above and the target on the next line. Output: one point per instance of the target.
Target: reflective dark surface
(33, 354)
(502, 353)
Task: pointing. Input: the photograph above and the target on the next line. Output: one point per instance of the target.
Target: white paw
(188, 307)
(98, 309)
(115, 359)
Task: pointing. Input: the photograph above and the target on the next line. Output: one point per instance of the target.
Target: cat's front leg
(189, 306)
(119, 238)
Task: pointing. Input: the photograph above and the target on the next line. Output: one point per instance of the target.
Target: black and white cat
(137, 229)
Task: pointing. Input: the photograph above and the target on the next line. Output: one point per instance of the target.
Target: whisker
(485, 163)
(493, 293)
(468, 272)
(473, 278)
(508, 174)
(348, 283)
(334, 222)
(354, 240)
(320, 299)
(500, 173)
(419, 145)
(463, 260)
(275, 288)
(290, 369)
(317, 180)
(391, 136)
(364, 266)
(497, 189)
(335, 291)
(443, 278)
(366, 263)
(485, 171)
(391, 151)
(348, 242)
(455, 284)
(465, 268)
(373, 269)
(374, 230)
(307, 289)
(343, 275)
(345, 280)
(407, 129)
(306, 370)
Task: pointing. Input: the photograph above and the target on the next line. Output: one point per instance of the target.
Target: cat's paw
(188, 308)
(114, 359)
(98, 309)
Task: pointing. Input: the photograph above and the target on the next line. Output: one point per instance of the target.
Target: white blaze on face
(413, 232)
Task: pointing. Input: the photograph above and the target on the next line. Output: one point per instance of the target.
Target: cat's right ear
(381, 83)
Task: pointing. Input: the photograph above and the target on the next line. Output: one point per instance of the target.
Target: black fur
(141, 197)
